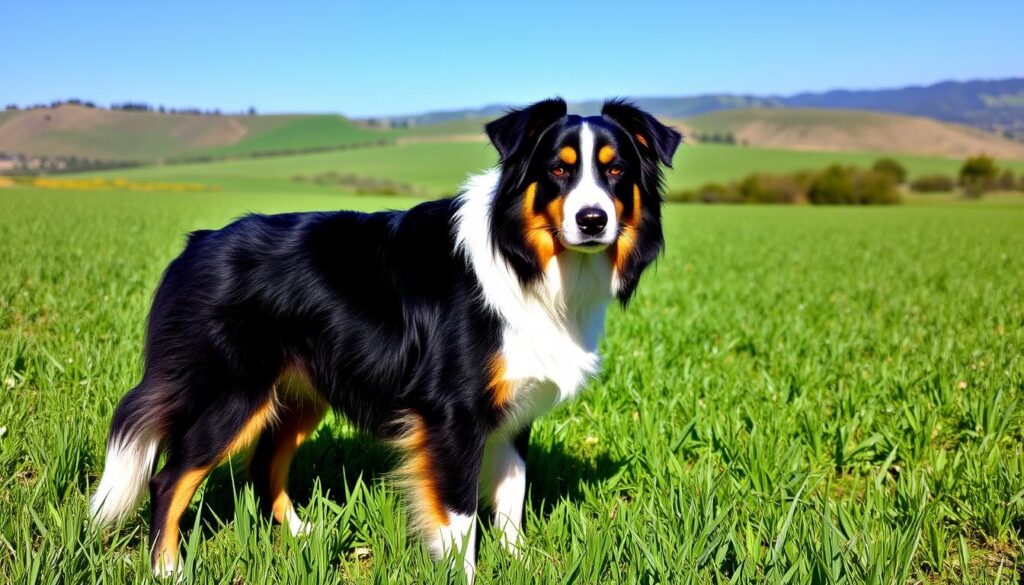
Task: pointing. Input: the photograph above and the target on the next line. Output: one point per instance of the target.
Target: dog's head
(575, 185)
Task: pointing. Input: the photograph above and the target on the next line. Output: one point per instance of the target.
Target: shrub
(840, 185)
(1007, 181)
(874, 188)
(682, 196)
(832, 186)
(717, 193)
(933, 184)
(978, 175)
(891, 167)
(765, 188)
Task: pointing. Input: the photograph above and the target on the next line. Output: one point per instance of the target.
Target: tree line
(838, 184)
(129, 106)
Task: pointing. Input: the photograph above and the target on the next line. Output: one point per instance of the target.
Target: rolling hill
(844, 130)
(72, 130)
(995, 105)
(147, 137)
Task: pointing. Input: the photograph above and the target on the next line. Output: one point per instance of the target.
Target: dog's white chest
(550, 348)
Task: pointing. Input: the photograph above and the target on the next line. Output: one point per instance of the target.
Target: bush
(840, 185)
(836, 185)
(977, 175)
(1006, 181)
(717, 193)
(874, 188)
(832, 186)
(891, 167)
(933, 184)
(765, 188)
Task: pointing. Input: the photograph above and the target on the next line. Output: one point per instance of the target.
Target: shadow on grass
(337, 461)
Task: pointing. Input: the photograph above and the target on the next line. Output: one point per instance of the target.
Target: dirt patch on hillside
(199, 132)
(104, 134)
(843, 131)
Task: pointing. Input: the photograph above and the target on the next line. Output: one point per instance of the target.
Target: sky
(384, 57)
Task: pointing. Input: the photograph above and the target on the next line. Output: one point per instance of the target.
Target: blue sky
(384, 57)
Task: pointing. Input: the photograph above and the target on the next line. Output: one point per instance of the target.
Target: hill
(994, 105)
(72, 130)
(844, 130)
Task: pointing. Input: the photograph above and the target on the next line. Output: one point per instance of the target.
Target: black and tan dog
(445, 329)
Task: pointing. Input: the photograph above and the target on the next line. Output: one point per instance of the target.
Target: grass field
(440, 167)
(796, 395)
(309, 131)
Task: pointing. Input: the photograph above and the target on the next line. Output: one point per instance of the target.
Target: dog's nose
(591, 220)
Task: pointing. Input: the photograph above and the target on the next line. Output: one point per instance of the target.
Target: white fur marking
(457, 538)
(551, 330)
(296, 525)
(504, 476)
(587, 193)
(126, 474)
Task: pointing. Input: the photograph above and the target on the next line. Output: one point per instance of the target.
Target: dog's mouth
(587, 245)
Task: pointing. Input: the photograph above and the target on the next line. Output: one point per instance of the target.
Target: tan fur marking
(643, 141)
(185, 488)
(303, 413)
(539, 226)
(568, 155)
(297, 425)
(626, 241)
(166, 553)
(606, 154)
(502, 391)
(251, 429)
(417, 476)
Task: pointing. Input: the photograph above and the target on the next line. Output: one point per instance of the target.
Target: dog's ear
(653, 138)
(519, 126)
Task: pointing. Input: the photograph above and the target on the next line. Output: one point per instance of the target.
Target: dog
(444, 329)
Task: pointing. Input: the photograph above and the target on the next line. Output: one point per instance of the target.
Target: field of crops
(796, 395)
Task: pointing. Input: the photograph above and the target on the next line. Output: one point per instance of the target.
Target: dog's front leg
(442, 472)
(503, 484)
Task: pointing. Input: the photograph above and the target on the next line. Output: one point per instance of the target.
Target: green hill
(302, 133)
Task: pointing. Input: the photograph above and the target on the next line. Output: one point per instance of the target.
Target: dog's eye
(559, 170)
(615, 170)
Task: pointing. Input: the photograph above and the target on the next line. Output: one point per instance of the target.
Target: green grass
(439, 167)
(300, 132)
(796, 395)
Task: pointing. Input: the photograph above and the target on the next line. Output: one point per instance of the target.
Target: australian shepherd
(445, 330)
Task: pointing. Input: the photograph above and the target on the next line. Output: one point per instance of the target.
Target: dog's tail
(136, 436)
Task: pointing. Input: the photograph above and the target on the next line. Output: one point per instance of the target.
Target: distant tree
(161, 109)
(1007, 181)
(252, 111)
(891, 167)
(729, 138)
(12, 106)
(977, 175)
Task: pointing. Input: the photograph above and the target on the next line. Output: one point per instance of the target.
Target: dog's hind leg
(222, 430)
(298, 416)
(441, 475)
